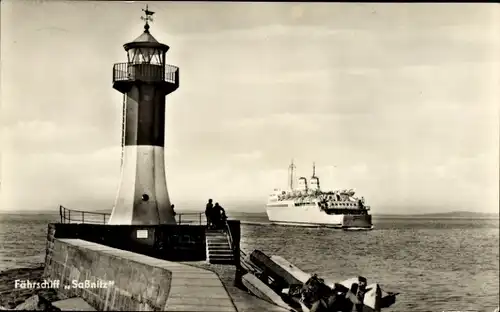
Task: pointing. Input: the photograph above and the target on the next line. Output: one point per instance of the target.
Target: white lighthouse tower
(144, 80)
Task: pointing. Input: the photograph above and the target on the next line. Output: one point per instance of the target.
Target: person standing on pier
(209, 213)
(219, 216)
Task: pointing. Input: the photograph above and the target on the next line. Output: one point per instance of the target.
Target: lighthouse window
(148, 54)
(141, 57)
(157, 58)
(134, 55)
(145, 56)
(145, 197)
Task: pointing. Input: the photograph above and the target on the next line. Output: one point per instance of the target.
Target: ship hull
(313, 216)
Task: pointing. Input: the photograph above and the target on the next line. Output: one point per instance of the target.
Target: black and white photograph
(248, 156)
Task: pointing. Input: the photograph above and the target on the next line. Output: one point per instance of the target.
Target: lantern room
(146, 63)
(146, 50)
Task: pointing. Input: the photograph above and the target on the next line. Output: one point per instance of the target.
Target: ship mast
(291, 175)
(314, 170)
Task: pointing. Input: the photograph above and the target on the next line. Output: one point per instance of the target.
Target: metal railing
(79, 216)
(145, 72)
(91, 217)
(191, 218)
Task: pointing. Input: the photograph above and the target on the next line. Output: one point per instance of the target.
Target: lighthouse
(144, 80)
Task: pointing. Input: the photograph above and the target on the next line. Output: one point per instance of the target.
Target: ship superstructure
(308, 205)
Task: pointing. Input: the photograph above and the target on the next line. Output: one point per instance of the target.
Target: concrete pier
(133, 281)
(138, 282)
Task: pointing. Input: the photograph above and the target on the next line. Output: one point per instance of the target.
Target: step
(219, 248)
(220, 253)
(220, 259)
(226, 255)
(217, 237)
(212, 247)
(211, 260)
(219, 244)
(221, 262)
(215, 233)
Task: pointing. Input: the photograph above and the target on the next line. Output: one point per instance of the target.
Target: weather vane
(148, 15)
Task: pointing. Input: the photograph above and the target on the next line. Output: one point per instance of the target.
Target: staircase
(218, 248)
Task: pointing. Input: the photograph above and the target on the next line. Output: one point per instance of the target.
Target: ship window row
(347, 204)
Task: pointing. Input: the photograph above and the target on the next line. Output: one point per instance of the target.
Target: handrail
(229, 236)
(199, 219)
(144, 71)
(91, 217)
(95, 217)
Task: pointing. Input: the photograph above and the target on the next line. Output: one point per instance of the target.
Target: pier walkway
(186, 288)
(242, 300)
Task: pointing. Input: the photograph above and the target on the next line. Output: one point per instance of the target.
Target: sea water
(436, 264)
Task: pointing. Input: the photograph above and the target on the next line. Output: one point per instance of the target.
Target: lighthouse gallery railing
(149, 72)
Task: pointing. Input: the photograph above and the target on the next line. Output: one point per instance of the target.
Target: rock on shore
(10, 297)
(23, 298)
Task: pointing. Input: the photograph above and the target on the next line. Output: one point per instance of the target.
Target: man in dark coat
(209, 213)
(219, 216)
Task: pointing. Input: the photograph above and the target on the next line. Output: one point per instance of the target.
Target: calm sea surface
(436, 264)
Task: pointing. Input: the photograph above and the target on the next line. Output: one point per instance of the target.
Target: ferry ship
(308, 205)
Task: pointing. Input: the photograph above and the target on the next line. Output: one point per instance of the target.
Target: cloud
(38, 136)
(43, 180)
(403, 103)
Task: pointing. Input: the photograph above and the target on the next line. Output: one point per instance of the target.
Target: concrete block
(140, 282)
(73, 304)
(29, 304)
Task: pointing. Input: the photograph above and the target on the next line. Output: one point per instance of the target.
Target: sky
(397, 101)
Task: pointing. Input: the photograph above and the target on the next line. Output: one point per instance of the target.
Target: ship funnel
(314, 181)
(302, 184)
